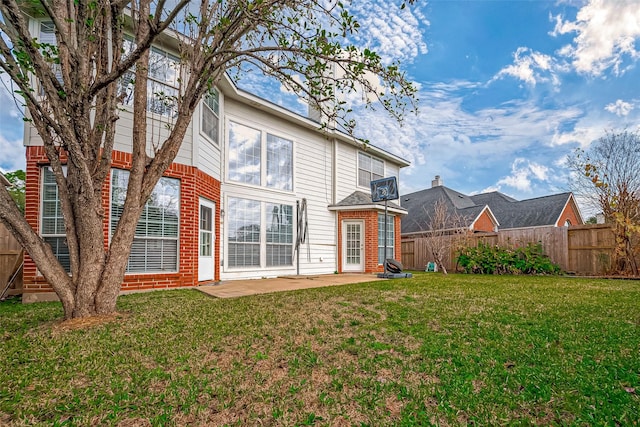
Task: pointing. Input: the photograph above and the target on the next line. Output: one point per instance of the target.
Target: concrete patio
(240, 288)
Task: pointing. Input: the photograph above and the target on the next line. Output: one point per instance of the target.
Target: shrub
(486, 259)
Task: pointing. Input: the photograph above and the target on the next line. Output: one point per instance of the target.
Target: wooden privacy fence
(581, 249)
(10, 263)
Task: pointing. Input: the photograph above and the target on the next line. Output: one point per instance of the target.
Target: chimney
(437, 182)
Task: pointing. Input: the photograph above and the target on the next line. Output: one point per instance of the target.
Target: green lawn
(432, 350)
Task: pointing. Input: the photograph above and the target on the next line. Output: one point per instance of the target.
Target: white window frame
(251, 244)
(149, 238)
(214, 110)
(267, 138)
(277, 241)
(58, 237)
(169, 108)
(372, 175)
(266, 259)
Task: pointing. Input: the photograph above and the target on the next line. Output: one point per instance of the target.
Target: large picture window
(210, 114)
(244, 233)
(52, 220)
(260, 158)
(279, 234)
(252, 234)
(369, 169)
(155, 245)
(390, 237)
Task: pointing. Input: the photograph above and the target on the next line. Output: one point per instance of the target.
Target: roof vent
(437, 182)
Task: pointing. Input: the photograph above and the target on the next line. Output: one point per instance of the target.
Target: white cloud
(620, 108)
(606, 33)
(522, 173)
(13, 156)
(448, 140)
(392, 32)
(532, 68)
(581, 134)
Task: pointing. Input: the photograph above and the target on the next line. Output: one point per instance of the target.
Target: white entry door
(352, 246)
(207, 236)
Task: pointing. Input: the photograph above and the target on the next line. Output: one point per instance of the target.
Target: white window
(279, 234)
(249, 237)
(369, 169)
(206, 231)
(244, 233)
(156, 243)
(260, 158)
(48, 45)
(52, 220)
(162, 83)
(279, 163)
(244, 154)
(389, 235)
(210, 114)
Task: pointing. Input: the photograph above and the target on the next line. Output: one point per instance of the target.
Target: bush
(486, 259)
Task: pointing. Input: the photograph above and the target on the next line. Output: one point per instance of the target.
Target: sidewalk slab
(240, 288)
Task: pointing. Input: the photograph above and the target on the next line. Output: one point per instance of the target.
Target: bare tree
(445, 230)
(607, 176)
(72, 88)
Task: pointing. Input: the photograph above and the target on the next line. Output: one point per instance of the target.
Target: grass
(431, 350)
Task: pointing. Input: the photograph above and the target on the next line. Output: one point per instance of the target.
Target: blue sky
(507, 89)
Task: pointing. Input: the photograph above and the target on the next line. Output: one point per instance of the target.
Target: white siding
(157, 133)
(312, 180)
(347, 176)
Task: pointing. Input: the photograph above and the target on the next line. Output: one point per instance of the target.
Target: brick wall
(484, 223)
(193, 185)
(370, 219)
(570, 214)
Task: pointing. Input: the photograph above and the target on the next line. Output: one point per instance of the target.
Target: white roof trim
(575, 205)
(493, 217)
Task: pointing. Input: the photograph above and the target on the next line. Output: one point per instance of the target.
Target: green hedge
(487, 259)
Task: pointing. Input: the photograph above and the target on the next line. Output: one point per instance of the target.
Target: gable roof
(536, 212)
(359, 200)
(506, 211)
(420, 207)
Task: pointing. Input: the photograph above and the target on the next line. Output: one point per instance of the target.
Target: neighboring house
(465, 212)
(227, 208)
(554, 210)
(488, 212)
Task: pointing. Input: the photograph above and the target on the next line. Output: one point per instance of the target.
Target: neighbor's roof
(359, 200)
(537, 212)
(509, 212)
(420, 207)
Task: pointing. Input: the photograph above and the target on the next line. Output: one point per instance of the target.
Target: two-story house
(255, 191)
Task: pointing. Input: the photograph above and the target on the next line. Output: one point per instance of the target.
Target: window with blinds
(369, 169)
(210, 115)
(389, 236)
(52, 220)
(156, 243)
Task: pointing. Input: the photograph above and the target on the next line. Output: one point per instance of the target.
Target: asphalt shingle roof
(509, 212)
(420, 207)
(360, 198)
